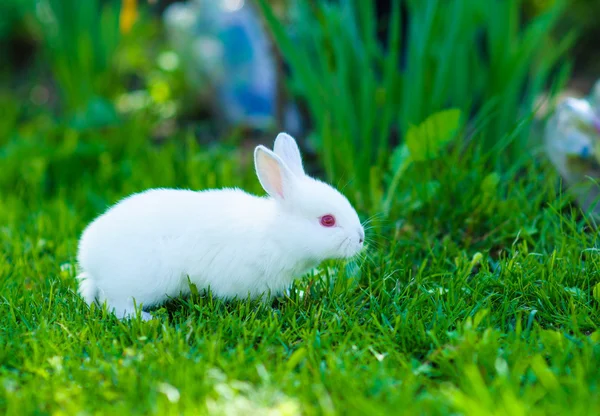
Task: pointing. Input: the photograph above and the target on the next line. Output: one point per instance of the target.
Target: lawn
(478, 291)
(481, 301)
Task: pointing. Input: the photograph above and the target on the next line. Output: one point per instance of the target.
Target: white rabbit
(146, 247)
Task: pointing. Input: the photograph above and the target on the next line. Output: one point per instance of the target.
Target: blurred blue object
(227, 58)
(572, 140)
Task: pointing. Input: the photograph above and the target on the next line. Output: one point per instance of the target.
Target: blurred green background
(349, 78)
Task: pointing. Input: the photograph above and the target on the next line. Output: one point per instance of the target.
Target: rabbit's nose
(361, 236)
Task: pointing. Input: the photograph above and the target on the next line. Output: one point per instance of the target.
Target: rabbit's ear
(287, 149)
(273, 174)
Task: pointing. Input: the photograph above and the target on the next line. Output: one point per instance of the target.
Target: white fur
(146, 247)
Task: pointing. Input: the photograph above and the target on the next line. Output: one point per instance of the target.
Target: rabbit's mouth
(349, 248)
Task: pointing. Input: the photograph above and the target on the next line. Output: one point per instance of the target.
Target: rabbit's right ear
(273, 174)
(287, 149)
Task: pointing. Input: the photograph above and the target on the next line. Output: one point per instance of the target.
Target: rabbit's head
(316, 218)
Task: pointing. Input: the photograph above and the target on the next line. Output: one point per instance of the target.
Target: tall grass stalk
(80, 39)
(470, 55)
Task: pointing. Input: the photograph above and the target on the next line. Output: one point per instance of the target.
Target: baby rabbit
(147, 246)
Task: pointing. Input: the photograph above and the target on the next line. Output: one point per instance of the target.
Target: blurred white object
(572, 139)
(572, 132)
(227, 55)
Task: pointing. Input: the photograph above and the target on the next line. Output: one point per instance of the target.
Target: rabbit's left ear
(287, 149)
(273, 173)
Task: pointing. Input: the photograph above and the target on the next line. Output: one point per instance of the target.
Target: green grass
(424, 325)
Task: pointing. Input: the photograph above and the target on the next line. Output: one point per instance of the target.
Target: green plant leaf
(489, 185)
(400, 158)
(426, 141)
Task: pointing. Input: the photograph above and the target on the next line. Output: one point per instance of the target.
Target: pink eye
(327, 220)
